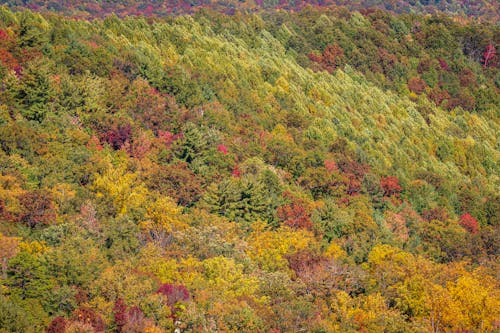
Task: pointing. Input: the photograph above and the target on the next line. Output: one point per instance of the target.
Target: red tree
(37, 208)
(417, 85)
(174, 293)
(332, 57)
(58, 325)
(330, 165)
(391, 186)
(120, 314)
(353, 185)
(469, 223)
(236, 171)
(222, 148)
(437, 213)
(444, 65)
(489, 55)
(116, 137)
(295, 215)
(89, 316)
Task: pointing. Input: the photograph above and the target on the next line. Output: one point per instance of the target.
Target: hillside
(318, 171)
(485, 9)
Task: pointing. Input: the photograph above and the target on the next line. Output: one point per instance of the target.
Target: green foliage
(320, 170)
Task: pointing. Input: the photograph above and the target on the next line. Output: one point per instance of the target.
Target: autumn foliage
(246, 169)
(295, 215)
(469, 223)
(390, 185)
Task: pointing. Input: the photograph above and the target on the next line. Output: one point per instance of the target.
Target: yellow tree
(121, 188)
(269, 248)
(163, 217)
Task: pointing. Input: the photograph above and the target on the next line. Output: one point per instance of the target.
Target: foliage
(319, 170)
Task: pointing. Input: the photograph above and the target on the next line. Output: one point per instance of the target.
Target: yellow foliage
(478, 301)
(10, 190)
(164, 215)
(227, 279)
(334, 251)
(122, 187)
(268, 248)
(186, 271)
(34, 247)
(153, 329)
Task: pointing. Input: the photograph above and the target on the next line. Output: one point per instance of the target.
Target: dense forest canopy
(483, 9)
(318, 170)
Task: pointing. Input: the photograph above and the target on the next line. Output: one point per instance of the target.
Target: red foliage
(168, 138)
(443, 64)
(490, 56)
(416, 85)
(120, 314)
(4, 214)
(464, 100)
(353, 167)
(140, 146)
(314, 57)
(135, 319)
(118, 136)
(94, 143)
(81, 295)
(303, 261)
(3, 35)
(37, 208)
(331, 58)
(387, 59)
(330, 165)
(295, 215)
(424, 65)
(391, 186)
(236, 171)
(438, 95)
(437, 213)
(469, 223)
(8, 60)
(89, 316)
(174, 293)
(222, 148)
(57, 325)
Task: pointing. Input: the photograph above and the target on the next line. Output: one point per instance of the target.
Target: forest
(279, 167)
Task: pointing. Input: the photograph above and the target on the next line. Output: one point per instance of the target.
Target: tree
(86, 315)
(417, 85)
(490, 56)
(331, 58)
(240, 200)
(120, 314)
(391, 186)
(9, 247)
(118, 136)
(177, 181)
(469, 223)
(38, 208)
(35, 92)
(175, 294)
(295, 215)
(57, 325)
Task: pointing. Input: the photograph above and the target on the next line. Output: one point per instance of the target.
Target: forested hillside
(488, 10)
(323, 170)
